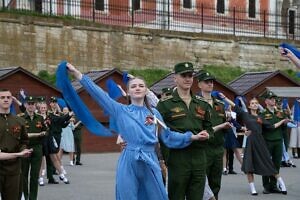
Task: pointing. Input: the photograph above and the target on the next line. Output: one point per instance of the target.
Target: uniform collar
(267, 109)
(5, 115)
(176, 96)
(27, 115)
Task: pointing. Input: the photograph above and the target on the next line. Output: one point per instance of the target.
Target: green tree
(46, 76)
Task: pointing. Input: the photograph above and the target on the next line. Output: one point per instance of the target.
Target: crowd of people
(173, 148)
(32, 142)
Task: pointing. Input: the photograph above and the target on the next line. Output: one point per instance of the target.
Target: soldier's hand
(285, 121)
(227, 125)
(43, 133)
(201, 136)
(248, 132)
(25, 153)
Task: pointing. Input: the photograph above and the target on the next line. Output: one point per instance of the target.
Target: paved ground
(96, 178)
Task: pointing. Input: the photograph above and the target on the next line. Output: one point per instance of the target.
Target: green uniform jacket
(273, 118)
(217, 117)
(34, 125)
(13, 139)
(178, 117)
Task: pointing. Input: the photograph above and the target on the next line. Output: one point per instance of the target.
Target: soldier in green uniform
(36, 129)
(273, 139)
(215, 148)
(182, 111)
(13, 139)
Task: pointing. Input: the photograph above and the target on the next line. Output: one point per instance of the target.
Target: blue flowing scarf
(113, 90)
(76, 104)
(296, 111)
(292, 48)
(125, 77)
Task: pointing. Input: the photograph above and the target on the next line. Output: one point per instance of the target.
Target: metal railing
(168, 15)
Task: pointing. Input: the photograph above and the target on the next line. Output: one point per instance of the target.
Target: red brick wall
(211, 17)
(119, 12)
(276, 81)
(31, 86)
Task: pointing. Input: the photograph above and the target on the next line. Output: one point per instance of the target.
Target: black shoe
(52, 181)
(284, 192)
(232, 172)
(225, 172)
(275, 190)
(266, 191)
(284, 164)
(254, 194)
(78, 163)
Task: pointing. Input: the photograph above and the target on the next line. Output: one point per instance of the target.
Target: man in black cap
(166, 93)
(273, 139)
(36, 129)
(183, 112)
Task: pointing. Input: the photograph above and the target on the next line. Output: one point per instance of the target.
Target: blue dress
(138, 173)
(67, 138)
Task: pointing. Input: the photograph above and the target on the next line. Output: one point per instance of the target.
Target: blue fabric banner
(76, 104)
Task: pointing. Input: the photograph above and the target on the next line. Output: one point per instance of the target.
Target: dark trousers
(275, 149)
(31, 167)
(186, 170)
(10, 187)
(78, 141)
(50, 168)
(230, 156)
(214, 168)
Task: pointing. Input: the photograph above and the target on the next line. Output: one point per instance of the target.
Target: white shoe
(41, 181)
(71, 163)
(64, 179)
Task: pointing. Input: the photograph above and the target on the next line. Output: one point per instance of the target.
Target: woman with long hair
(257, 159)
(138, 173)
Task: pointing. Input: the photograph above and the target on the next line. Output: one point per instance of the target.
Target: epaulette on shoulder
(166, 98)
(200, 98)
(20, 114)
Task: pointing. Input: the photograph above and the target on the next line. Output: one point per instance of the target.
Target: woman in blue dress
(138, 173)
